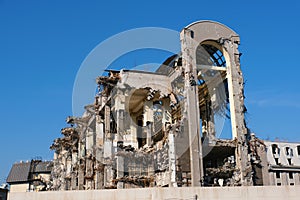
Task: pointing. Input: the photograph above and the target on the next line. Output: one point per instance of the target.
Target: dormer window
(275, 150)
(289, 151)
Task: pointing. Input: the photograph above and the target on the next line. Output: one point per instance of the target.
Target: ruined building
(158, 129)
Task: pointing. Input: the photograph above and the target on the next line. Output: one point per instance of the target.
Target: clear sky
(43, 43)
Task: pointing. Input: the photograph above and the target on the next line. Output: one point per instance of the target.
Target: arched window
(275, 149)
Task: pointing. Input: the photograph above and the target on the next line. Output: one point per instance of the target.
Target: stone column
(81, 171)
(107, 118)
(120, 171)
(119, 105)
(99, 168)
(191, 107)
(89, 141)
(172, 160)
(133, 136)
(108, 149)
(148, 121)
(89, 172)
(99, 177)
(99, 131)
(236, 100)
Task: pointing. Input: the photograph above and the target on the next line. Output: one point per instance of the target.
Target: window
(192, 34)
(275, 149)
(289, 161)
(291, 175)
(277, 174)
(276, 161)
(289, 151)
(298, 150)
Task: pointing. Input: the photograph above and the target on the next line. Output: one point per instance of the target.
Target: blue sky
(43, 43)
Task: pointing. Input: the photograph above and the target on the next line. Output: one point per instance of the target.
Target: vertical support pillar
(167, 116)
(133, 136)
(64, 165)
(120, 171)
(108, 135)
(99, 131)
(172, 160)
(149, 133)
(148, 121)
(192, 107)
(89, 141)
(236, 100)
(297, 178)
(81, 171)
(108, 176)
(119, 105)
(108, 148)
(99, 176)
(89, 173)
(74, 179)
(99, 169)
(99, 140)
(120, 125)
(68, 172)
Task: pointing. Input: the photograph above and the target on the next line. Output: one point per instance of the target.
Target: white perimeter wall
(19, 187)
(216, 193)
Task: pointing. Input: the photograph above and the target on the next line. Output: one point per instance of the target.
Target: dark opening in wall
(291, 175)
(289, 151)
(275, 149)
(277, 174)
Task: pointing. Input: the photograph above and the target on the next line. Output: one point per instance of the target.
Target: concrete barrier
(187, 193)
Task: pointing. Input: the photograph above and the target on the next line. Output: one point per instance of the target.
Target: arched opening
(213, 89)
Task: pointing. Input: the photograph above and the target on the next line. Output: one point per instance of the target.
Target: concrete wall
(215, 193)
(19, 187)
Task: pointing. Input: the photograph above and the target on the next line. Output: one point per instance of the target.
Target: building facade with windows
(283, 163)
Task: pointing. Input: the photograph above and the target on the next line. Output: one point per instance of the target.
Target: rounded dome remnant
(210, 30)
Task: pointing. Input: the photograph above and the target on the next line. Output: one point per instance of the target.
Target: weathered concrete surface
(230, 193)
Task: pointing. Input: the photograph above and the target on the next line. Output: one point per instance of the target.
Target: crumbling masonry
(148, 129)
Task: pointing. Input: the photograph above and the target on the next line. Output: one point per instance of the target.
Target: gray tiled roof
(19, 173)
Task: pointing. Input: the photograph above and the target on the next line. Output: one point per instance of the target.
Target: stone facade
(157, 129)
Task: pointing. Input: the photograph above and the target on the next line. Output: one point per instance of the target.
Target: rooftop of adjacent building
(20, 172)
